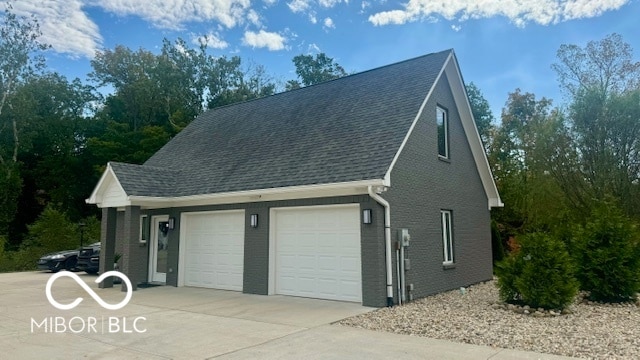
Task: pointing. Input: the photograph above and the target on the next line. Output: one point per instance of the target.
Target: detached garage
(333, 191)
(316, 252)
(213, 249)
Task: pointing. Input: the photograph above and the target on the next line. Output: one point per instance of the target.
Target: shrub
(52, 231)
(608, 255)
(496, 242)
(539, 274)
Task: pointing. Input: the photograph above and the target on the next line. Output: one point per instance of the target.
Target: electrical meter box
(404, 237)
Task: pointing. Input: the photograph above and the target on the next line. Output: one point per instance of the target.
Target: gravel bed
(475, 316)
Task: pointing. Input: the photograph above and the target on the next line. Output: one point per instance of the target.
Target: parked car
(59, 260)
(89, 258)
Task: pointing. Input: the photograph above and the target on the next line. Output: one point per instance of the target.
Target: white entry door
(317, 252)
(159, 248)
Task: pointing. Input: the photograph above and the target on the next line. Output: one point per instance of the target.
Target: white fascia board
(272, 194)
(97, 196)
(473, 137)
(387, 176)
(456, 84)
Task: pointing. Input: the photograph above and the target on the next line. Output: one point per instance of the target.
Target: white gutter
(387, 241)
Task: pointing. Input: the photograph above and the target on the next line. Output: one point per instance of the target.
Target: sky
(501, 45)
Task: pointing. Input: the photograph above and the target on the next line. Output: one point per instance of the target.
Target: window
(144, 228)
(447, 236)
(443, 132)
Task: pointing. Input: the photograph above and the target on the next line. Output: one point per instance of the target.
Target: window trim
(144, 225)
(448, 256)
(444, 111)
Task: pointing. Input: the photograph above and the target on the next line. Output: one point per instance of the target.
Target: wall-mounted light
(172, 223)
(366, 216)
(253, 220)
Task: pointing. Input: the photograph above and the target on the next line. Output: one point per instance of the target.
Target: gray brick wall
(422, 185)
(256, 250)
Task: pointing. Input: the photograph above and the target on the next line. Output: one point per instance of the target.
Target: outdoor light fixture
(366, 216)
(253, 221)
(172, 223)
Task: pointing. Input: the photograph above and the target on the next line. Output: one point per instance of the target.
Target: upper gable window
(442, 119)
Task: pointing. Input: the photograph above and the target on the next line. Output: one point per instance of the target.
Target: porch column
(108, 243)
(134, 254)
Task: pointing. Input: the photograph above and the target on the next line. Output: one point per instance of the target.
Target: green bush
(608, 255)
(539, 274)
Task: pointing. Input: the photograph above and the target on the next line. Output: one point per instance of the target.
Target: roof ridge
(330, 81)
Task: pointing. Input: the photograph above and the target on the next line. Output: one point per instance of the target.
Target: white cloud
(253, 17)
(212, 40)
(270, 2)
(171, 14)
(264, 39)
(520, 12)
(313, 18)
(456, 28)
(299, 5)
(328, 23)
(64, 25)
(313, 48)
(329, 3)
(363, 6)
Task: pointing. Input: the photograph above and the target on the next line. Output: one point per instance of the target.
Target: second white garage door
(214, 249)
(317, 252)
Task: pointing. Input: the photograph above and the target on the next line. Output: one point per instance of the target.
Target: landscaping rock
(592, 331)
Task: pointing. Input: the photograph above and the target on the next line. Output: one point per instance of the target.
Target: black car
(60, 260)
(89, 259)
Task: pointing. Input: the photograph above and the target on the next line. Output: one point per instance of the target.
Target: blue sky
(501, 44)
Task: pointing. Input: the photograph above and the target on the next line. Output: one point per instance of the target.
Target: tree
(313, 70)
(601, 67)
(526, 146)
(607, 251)
(53, 143)
(229, 83)
(539, 274)
(19, 59)
(604, 119)
(481, 114)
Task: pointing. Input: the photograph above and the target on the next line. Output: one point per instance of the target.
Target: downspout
(387, 242)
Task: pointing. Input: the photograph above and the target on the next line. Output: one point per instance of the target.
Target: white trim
(142, 224)
(235, 197)
(415, 121)
(184, 224)
(447, 236)
(153, 231)
(445, 125)
(272, 236)
(463, 106)
(473, 137)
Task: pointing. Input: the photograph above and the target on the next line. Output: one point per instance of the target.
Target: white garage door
(317, 252)
(214, 249)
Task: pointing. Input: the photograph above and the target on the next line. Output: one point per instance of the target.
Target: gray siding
(422, 185)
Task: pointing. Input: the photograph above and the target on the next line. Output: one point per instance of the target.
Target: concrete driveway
(192, 323)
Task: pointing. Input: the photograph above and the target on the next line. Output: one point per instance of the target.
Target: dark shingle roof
(343, 130)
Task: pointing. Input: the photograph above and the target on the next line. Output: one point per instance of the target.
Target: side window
(442, 121)
(447, 236)
(144, 228)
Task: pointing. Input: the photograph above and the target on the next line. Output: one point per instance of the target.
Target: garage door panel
(317, 252)
(214, 250)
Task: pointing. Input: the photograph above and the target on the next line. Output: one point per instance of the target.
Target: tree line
(552, 164)
(56, 134)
